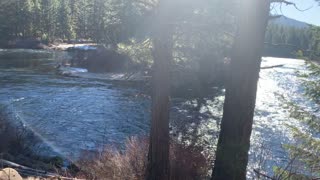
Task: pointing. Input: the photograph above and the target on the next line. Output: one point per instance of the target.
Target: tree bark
(241, 88)
(158, 157)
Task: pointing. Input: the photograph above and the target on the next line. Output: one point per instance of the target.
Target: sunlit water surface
(72, 114)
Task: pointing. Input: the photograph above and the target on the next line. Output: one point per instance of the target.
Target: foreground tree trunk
(241, 87)
(158, 157)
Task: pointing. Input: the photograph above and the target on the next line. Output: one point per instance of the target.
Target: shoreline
(36, 44)
(19, 145)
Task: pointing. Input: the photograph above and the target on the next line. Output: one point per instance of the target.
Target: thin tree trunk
(158, 157)
(241, 87)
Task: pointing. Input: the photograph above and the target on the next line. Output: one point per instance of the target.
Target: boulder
(9, 174)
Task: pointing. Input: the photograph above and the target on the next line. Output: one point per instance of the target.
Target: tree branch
(289, 3)
(263, 175)
(282, 1)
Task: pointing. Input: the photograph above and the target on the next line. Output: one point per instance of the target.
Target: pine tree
(158, 156)
(24, 17)
(49, 19)
(64, 21)
(36, 19)
(241, 88)
(81, 11)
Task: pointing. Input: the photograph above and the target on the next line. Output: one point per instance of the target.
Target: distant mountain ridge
(285, 21)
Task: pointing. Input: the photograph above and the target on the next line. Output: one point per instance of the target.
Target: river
(72, 114)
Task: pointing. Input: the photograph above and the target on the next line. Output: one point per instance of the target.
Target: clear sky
(311, 16)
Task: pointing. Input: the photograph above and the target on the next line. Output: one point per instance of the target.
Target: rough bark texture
(241, 87)
(158, 157)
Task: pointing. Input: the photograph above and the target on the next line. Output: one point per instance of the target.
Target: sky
(311, 16)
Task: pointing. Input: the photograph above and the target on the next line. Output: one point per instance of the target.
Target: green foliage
(315, 43)
(312, 87)
(139, 51)
(299, 54)
(281, 173)
(304, 152)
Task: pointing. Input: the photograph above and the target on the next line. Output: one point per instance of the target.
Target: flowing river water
(72, 114)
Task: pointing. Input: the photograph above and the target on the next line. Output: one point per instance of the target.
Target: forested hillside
(99, 20)
(290, 41)
(288, 22)
(116, 21)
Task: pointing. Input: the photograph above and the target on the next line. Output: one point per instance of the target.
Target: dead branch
(290, 3)
(270, 67)
(263, 175)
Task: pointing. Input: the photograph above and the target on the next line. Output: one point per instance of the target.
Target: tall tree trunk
(241, 88)
(158, 157)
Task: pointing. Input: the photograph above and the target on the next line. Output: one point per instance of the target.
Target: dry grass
(186, 162)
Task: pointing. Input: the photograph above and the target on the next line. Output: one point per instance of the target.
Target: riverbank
(36, 43)
(133, 62)
(20, 145)
(23, 150)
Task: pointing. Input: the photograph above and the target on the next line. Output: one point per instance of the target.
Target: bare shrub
(186, 162)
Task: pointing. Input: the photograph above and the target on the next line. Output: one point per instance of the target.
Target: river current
(72, 114)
